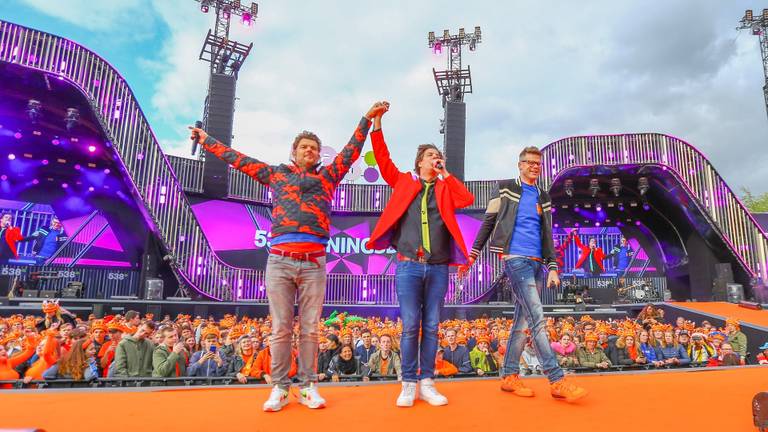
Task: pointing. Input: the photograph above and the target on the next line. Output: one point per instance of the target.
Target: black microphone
(439, 165)
(196, 137)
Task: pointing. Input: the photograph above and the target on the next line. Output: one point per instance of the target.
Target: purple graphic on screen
(227, 225)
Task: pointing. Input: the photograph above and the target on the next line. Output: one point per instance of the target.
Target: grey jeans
(285, 277)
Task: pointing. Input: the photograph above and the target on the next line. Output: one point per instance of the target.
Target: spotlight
(91, 148)
(621, 207)
(646, 206)
(594, 187)
(477, 32)
(431, 38)
(472, 44)
(438, 48)
(72, 118)
(204, 4)
(11, 156)
(568, 186)
(446, 34)
(254, 9)
(576, 208)
(455, 48)
(616, 186)
(599, 208)
(642, 185)
(461, 33)
(17, 135)
(247, 20)
(225, 13)
(34, 110)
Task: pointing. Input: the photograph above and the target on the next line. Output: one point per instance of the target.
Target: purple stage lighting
(646, 207)
(621, 207)
(106, 171)
(55, 141)
(599, 208)
(45, 162)
(64, 185)
(91, 189)
(35, 181)
(637, 223)
(77, 167)
(576, 225)
(597, 224)
(11, 156)
(3, 177)
(17, 135)
(437, 48)
(91, 148)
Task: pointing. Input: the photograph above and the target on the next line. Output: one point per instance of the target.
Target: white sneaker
(428, 392)
(277, 399)
(407, 394)
(310, 397)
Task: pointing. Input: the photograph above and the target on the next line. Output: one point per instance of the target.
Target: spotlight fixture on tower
(34, 110)
(759, 27)
(452, 84)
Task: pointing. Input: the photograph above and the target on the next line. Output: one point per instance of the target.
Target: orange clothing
(263, 364)
(106, 357)
(7, 371)
(445, 368)
(48, 359)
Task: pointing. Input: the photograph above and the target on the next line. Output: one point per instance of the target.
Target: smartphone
(212, 348)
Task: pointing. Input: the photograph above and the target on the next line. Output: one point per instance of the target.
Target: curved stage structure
(688, 215)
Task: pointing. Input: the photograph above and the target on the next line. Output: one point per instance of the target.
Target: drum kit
(639, 292)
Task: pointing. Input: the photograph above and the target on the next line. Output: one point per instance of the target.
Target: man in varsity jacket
(519, 225)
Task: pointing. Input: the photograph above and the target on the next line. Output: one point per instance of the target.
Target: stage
(684, 400)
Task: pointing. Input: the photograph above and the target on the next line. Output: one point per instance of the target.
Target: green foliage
(755, 204)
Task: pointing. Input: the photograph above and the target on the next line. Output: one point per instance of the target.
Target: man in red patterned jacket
(9, 236)
(301, 207)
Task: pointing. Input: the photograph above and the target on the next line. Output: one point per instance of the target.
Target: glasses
(532, 163)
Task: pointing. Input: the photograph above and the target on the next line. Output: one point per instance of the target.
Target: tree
(755, 204)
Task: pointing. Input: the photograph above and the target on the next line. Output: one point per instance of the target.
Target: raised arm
(256, 169)
(341, 164)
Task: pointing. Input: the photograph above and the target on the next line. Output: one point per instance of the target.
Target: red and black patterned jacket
(301, 199)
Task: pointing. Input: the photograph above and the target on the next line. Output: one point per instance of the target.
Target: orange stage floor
(727, 310)
(701, 400)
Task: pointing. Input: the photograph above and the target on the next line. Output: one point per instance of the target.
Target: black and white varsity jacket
(499, 222)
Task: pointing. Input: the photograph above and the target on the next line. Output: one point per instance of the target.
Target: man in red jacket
(420, 223)
(591, 258)
(9, 236)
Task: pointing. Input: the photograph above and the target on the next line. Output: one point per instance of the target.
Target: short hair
(167, 330)
(731, 359)
(149, 324)
(420, 154)
(131, 314)
(305, 135)
(364, 331)
(529, 150)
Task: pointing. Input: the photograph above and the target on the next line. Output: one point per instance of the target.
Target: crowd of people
(58, 345)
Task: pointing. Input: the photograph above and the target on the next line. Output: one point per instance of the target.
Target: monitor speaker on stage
(724, 271)
(30, 293)
(154, 289)
(47, 294)
(735, 292)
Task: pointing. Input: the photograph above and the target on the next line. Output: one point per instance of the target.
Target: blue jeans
(421, 292)
(526, 277)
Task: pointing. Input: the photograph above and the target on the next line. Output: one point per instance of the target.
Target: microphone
(439, 165)
(196, 137)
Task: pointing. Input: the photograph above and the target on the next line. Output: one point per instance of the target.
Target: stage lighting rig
(72, 118)
(568, 187)
(594, 187)
(643, 185)
(221, 52)
(34, 110)
(616, 186)
(759, 27)
(452, 84)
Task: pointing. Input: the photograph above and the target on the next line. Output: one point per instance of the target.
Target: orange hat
(586, 318)
(732, 321)
(98, 325)
(483, 339)
(50, 307)
(210, 330)
(590, 337)
(114, 325)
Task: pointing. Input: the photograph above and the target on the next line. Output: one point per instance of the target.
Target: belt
(300, 256)
(509, 257)
(420, 260)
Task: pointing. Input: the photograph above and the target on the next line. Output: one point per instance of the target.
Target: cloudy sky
(545, 70)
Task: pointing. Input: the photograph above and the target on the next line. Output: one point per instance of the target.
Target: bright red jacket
(13, 236)
(450, 194)
(599, 254)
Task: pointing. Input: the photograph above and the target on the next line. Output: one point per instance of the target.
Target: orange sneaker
(563, 389)
(513, 383)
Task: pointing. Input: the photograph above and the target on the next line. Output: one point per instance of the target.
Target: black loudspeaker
(30, 293)
(220, 111)
(735, 293)
(455, 137)
(724, 271)
(73, 289)
(604, 295)
(154, 289)
(47, 294)
(156, 311)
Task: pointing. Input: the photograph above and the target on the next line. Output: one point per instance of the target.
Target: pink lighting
(64, 185)
(55, 141)
(45, 162)
(3, 177)
(17, 135)
(106, 171)
(77, 167)
(91, 148)
(35, 181)
(90, 189)
(11, 156)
